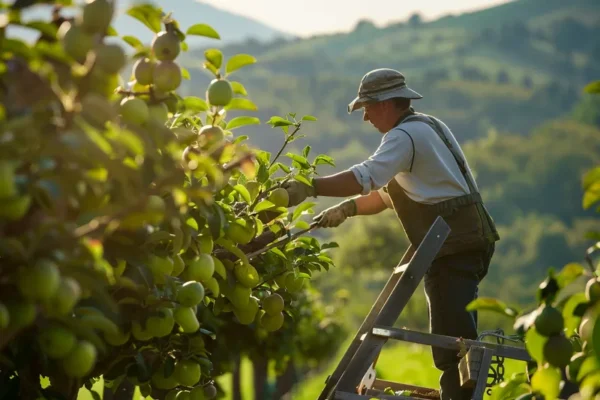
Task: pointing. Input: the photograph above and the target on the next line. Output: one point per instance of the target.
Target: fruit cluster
(127, 213)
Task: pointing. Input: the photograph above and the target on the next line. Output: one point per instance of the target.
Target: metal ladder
(354, 378)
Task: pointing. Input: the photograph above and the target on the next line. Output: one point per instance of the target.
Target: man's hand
(337, 214)
(297, 192)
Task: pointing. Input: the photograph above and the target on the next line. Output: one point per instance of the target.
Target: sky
(308, 17)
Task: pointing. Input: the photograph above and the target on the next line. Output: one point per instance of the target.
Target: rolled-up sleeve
(393, 156)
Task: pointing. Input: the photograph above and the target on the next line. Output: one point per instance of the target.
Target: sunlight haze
(308, 17)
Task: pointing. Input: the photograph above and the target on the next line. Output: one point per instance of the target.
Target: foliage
(561, 333)
(134, 223)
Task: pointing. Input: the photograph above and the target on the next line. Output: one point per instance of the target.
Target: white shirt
(435, 174)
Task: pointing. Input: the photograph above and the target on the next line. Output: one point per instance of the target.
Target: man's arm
(370, 204)
(342, 184)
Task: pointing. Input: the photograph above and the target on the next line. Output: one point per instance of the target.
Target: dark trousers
(450, 284)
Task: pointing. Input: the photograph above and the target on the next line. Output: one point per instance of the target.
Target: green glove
(337, 214)
(298, 192)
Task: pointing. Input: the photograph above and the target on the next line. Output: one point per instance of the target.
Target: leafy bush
(137, 231)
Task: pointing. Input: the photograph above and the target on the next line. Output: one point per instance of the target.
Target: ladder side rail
(365, 327)
(403, 291)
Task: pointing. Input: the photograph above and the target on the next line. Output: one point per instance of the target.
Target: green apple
(65, 298)
(56, 341)
(143, 70)
(270, 322)
(239, 295)
(159, 112)
(21, 314)
(40, 281)
(96, 16)
(279, 197)
(15, 208)
(186, 319)
(166, 76)
(246, 314)
(187, 372)
(273, 304)
(139, 332)
(160, 267)
(210, 136)
(134, 110)
(190, 294)
(81, 360)
(178, 265)
(110, 58)
(166, 46)
(160, 382)
(201, 268)
(75, 41)
(161, 325)
(246, 274)
(219, 92)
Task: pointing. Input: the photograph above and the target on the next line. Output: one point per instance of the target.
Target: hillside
(472, 78)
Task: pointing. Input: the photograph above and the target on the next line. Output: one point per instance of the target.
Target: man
(420, 171)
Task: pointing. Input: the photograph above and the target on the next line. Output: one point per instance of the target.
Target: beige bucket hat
(381, 84)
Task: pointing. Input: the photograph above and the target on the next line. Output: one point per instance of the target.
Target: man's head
(384, 96)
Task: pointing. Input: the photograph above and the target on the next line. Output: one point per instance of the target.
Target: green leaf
(490, 304)
(303, 179)
(593, 87)
(242, 121)
(512, 388)
(309, 118)
(238, 88)
(214, 56)
(302, 225)
(240, 139)
(568, 312)
(203, 30)
(591, 177)
(16, 46)
(111, 31)
(306, 151)
(323, 159)
(195, 104)
(241, 104)
(44, 27)
(207, 65)
(546, 380)
(591, 195)
(298, 159)
(264, 205)
(185, 74)
(241, 189)
(534, 342)
(148, 15)
(302, 207)
(238, 61)
(276, 121)
(569, 273)
(133, 42)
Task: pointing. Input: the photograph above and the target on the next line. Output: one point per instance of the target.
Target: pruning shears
(283, 241)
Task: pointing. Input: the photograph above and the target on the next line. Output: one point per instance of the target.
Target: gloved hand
(334, 216)
(298, 192)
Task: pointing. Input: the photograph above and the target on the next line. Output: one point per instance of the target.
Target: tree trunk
(260, 366)
(285, 382)
(236, 387)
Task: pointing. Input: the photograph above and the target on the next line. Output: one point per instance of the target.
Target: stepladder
(355, 378)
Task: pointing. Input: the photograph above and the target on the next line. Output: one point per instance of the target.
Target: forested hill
(524, 68)
(508, 81)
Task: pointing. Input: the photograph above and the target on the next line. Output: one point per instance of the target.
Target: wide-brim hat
(381, 84)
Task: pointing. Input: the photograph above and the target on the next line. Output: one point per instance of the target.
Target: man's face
(381, 115)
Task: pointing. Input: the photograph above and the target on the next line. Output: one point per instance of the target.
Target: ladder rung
(381, 384)
(354, 396)
(449, 342)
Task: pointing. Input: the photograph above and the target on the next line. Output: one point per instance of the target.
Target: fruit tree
(562, 333)
(137, 230)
